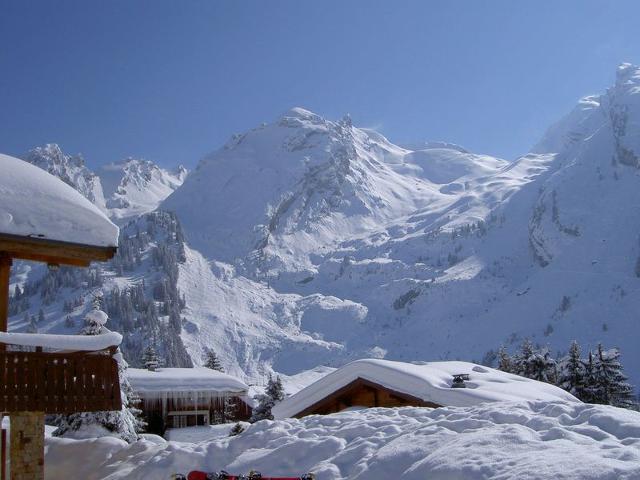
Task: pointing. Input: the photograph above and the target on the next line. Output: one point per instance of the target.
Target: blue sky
(172, 80)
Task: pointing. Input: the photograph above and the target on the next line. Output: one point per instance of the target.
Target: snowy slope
(505, 441)
(137, 287)
(133, 187)
(251, 326)
(70, 169)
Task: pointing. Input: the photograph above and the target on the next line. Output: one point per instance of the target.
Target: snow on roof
(181, 379)
(37, 204)
(429, 381)
(76, 343)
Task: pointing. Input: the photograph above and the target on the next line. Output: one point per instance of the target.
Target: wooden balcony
(58, 382)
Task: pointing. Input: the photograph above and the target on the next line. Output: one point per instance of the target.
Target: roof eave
(53, 251)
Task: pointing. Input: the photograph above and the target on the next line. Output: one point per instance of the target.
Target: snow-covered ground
(492, 441)
(200, 433)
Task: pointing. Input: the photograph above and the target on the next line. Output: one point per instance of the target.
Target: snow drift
(506, 441)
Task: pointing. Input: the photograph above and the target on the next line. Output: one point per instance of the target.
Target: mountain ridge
(312, 241)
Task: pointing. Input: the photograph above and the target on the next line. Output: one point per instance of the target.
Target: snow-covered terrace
(428, 381)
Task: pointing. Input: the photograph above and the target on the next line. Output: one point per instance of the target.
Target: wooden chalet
(187, 397)
(44, 220)
(371, 383)
(362, 393)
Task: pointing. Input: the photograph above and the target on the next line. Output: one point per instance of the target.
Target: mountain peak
(50, 155)
(70, 169)
(301, 113)
(619, 107)
(627, 72)
(134, 186)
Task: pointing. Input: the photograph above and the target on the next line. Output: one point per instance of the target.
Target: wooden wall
(363, 393)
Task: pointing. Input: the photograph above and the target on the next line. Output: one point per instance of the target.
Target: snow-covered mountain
(133, 187)
(309, 241)
(276, 195)
(449, 253)
(70, 169)
(124, 190)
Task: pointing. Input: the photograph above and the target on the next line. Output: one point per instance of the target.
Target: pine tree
(230, 410)
(275, 389)
(150, 358)
(94, 322)
(590, 393)
(505, 363)
(97, 302)
(40, 316)
(273, 394)
(542, 367)
(572, 372)
(522, 361)
(212, 361)
(33, 325)
(611, 385)
(124, 423)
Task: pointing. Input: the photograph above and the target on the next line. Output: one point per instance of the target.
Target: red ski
(199, 475)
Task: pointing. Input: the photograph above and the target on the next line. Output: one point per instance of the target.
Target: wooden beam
(53, 251)
(5, 271)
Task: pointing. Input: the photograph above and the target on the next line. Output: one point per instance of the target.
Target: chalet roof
(40, 213)
(429, 381)
(184, 379)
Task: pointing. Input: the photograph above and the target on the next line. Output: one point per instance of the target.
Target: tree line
(594, 377)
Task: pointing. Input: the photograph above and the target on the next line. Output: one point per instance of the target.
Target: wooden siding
(363, 393)
(58, 382)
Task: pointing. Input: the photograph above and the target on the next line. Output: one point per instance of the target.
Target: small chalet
(186, 397)
(384, 383)
(43, 219)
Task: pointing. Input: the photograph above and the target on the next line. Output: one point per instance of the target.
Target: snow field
(535, 440)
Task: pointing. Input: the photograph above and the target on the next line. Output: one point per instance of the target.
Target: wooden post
(27, 445)
(3, 451)
(5, 271)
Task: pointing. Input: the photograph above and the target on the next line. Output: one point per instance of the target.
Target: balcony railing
(59, 382)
